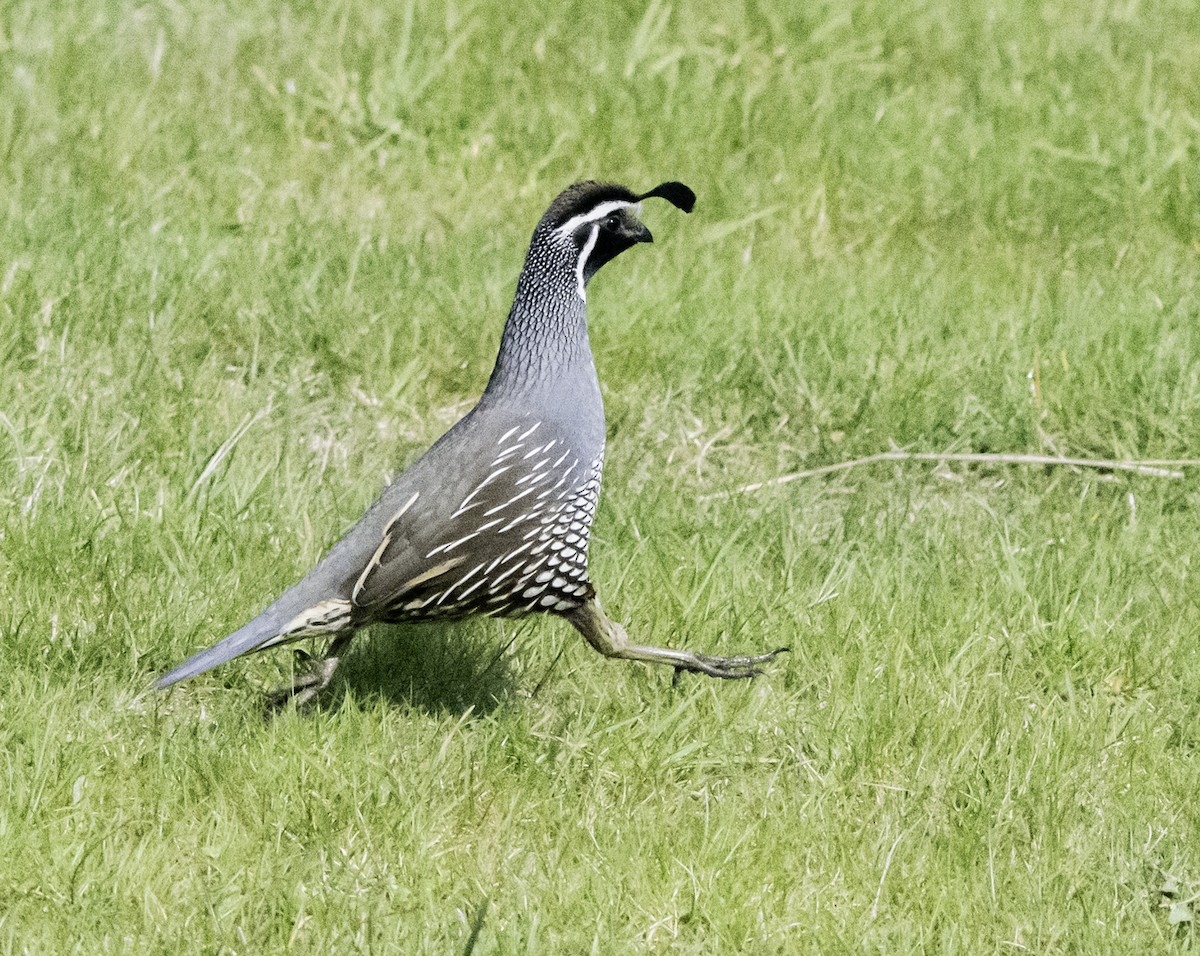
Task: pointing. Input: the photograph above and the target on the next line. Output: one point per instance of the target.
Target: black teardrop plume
(677, 194)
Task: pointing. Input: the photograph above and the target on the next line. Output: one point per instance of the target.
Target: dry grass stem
(1155, 468)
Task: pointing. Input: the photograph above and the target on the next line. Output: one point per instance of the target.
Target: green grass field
(254, 257)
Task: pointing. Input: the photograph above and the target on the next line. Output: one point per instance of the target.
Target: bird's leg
(610, 639)
(310, 683)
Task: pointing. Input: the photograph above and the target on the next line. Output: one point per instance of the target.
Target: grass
(254, 257)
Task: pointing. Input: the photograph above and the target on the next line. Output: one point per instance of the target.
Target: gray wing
(480, 540)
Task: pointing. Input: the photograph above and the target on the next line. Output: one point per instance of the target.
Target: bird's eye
(612, 222)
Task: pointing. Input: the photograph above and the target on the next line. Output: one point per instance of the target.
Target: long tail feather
(263, 632)
(245, 639)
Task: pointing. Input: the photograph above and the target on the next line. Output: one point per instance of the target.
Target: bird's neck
(545, 341)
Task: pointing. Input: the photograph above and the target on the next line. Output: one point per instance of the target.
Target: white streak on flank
(465, 538)
(371, 566)
(467, 577)
(529, 431)
(436, 571)
(561, 458)
(593, 215)
(519, 519)
(574, 465)
(558, 484)
(458, 583)
(503, 438)
(452, 544)
(478, 584)
(387, 539)
(518, 550)
(533, 517)
(508, 452)
(528, 491)
(495, 588)
(400, 514)
(465, 506)
(583, 258)
(533, 565)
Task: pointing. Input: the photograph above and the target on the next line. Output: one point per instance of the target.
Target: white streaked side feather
(462, 595)
(533, 478)
(400, 514)
(466, 502)
(386, 540)
(470, 574)
(371, 566)
(435, 572)
(508, 452)
(519, 519)
(517, 497)
(451, 545)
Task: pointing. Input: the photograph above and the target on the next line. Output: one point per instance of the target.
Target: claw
(315, 678)
(610, 639)
(728, 668)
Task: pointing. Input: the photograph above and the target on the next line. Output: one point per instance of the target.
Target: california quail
(494, 518)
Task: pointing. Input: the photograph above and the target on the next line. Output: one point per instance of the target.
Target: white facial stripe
(583, 258)
(568, 227)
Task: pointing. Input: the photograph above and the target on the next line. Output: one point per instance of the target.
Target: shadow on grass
(435, 668)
